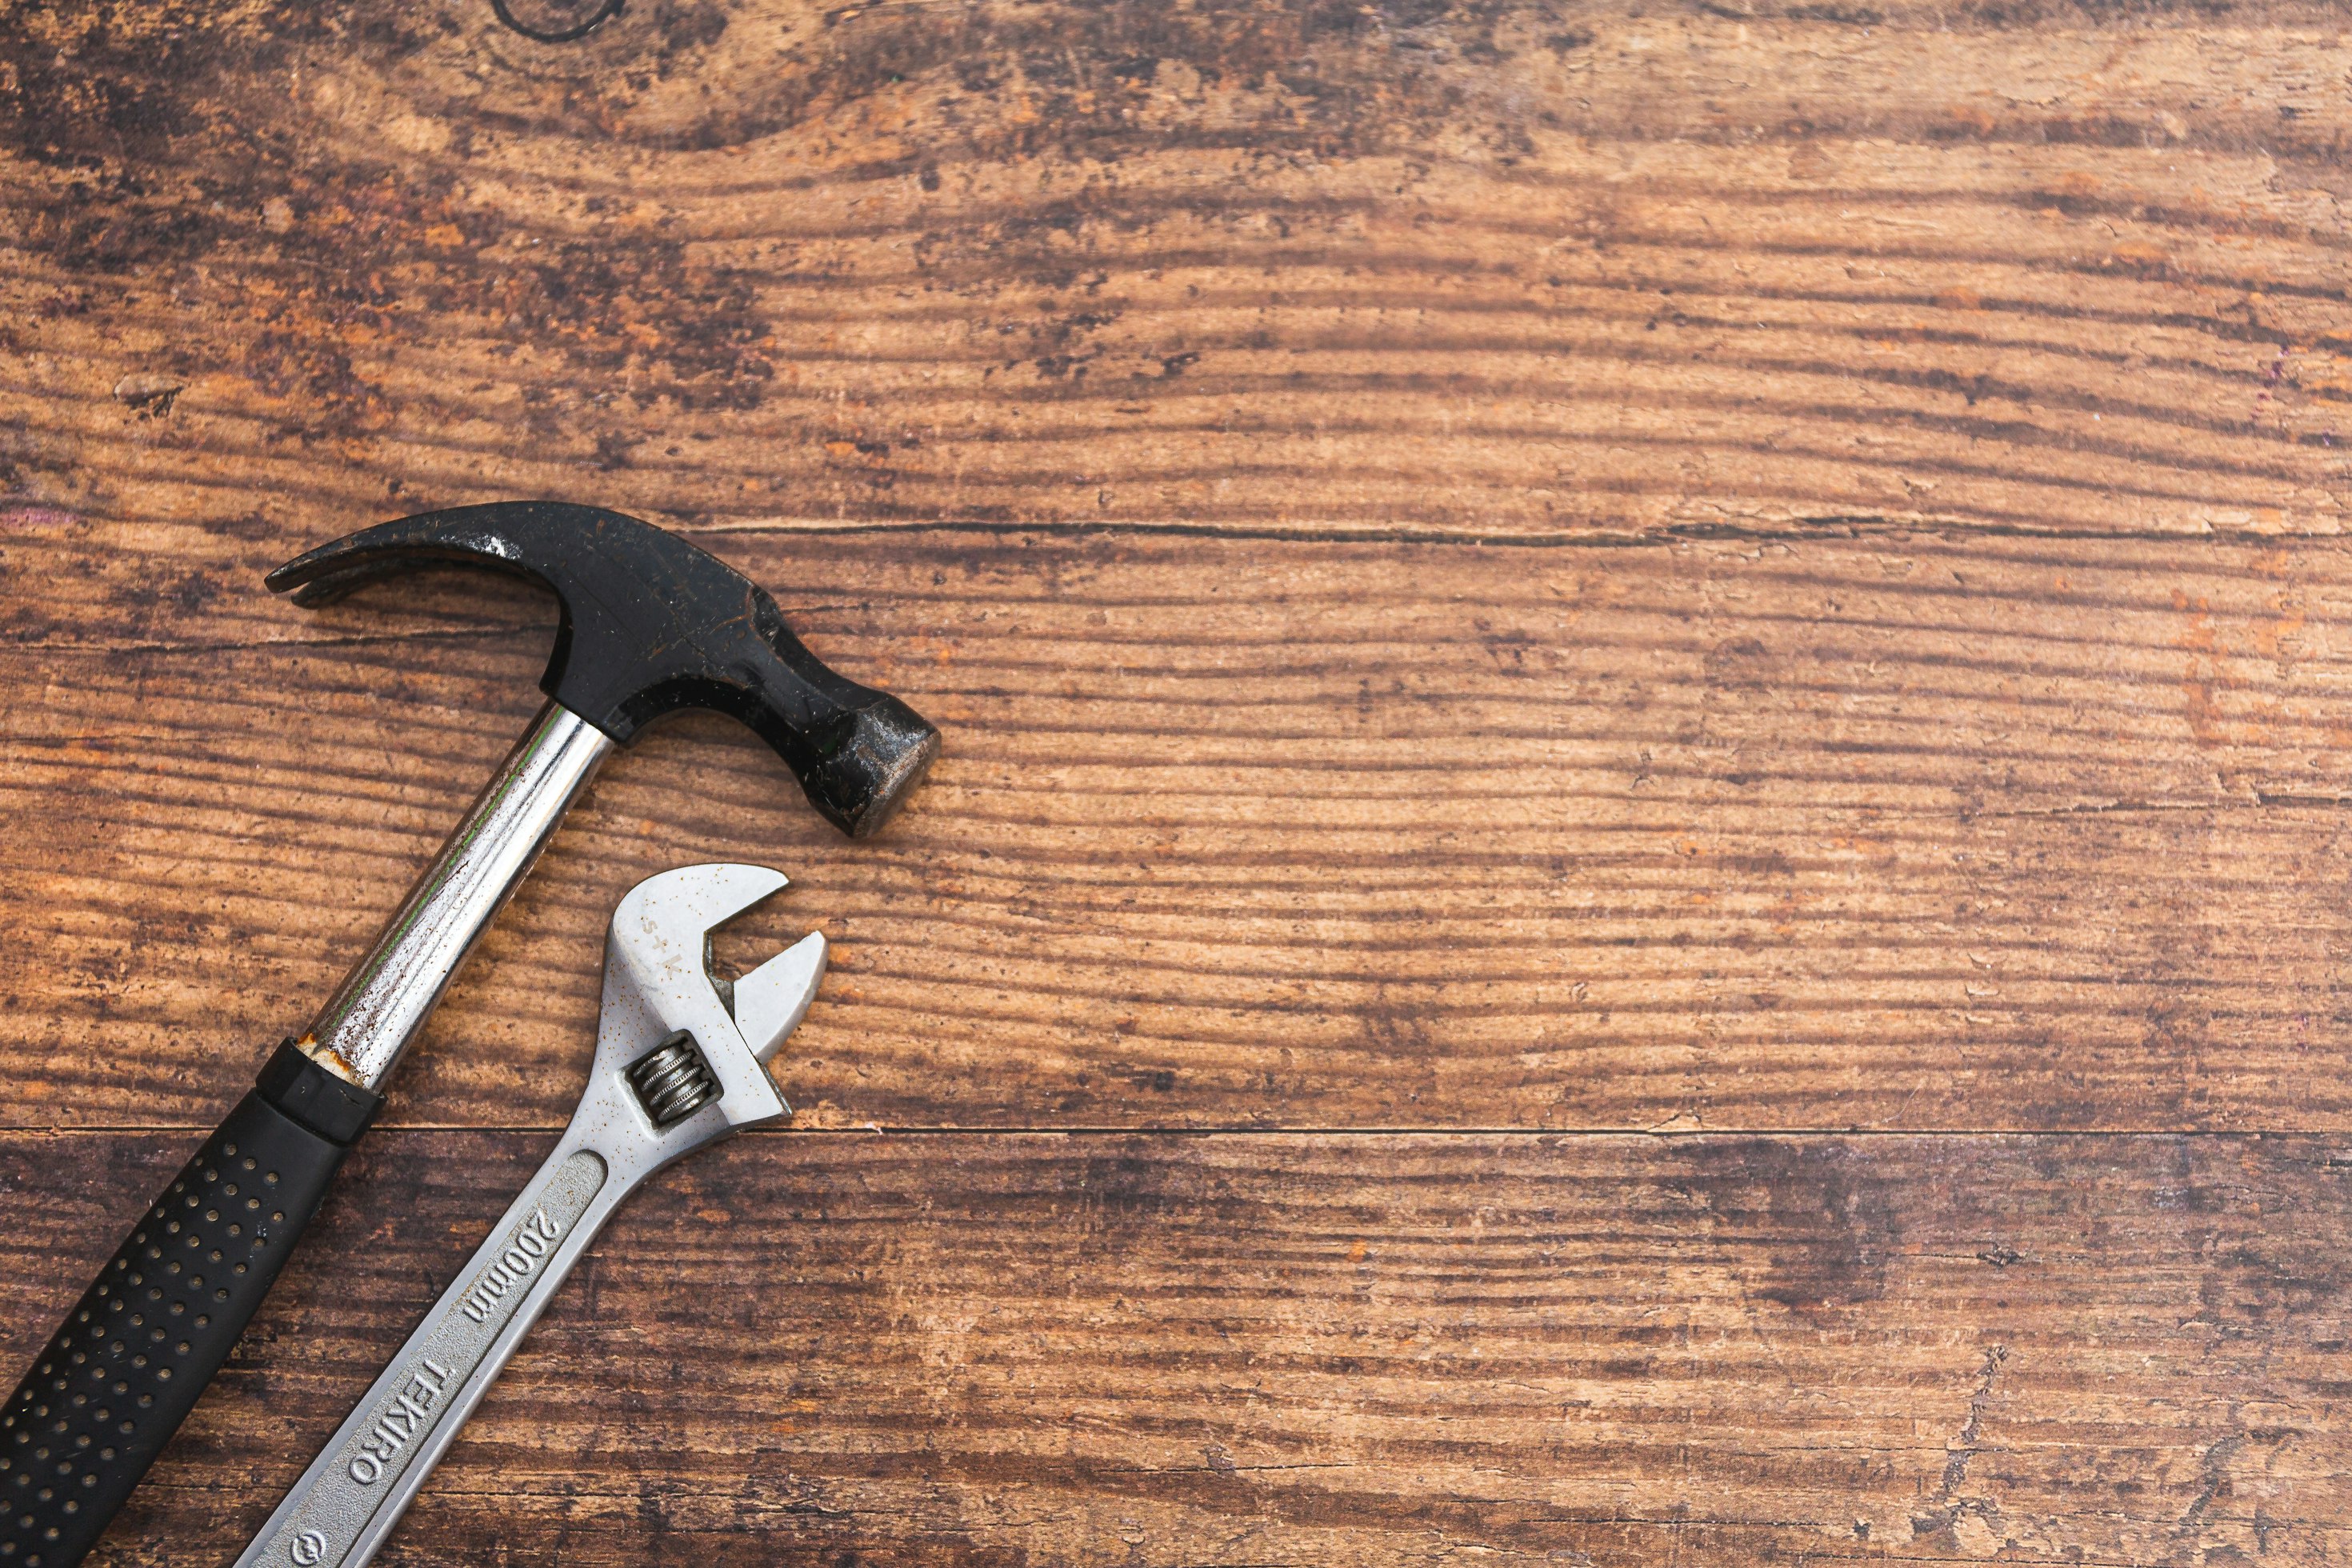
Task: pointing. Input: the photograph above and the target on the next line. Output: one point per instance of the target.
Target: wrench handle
(347, 1502)
(127, 1365)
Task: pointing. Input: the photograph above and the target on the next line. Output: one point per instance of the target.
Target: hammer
(650, 625)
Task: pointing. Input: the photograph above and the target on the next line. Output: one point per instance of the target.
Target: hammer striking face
(650, 625)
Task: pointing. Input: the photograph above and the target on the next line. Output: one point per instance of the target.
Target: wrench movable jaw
(771, 1001)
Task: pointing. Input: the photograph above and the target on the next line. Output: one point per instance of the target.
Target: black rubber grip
(126, 1366)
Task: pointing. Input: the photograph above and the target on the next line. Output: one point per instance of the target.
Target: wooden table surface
(1642, 849)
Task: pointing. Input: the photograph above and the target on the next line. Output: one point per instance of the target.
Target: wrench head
(657, 983)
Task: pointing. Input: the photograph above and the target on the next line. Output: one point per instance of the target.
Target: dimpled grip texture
(136, 1350)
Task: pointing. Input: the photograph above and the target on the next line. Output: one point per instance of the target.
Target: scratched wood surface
(1114, 1348)
(1954, 832)
(1641, 853)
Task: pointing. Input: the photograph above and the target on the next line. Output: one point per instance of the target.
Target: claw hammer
(650, 625)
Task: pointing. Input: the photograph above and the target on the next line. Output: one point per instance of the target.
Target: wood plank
(1509, 565)
(1966, 833)
(994, 1349)
(1502, 269)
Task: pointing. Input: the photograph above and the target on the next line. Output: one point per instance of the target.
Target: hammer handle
(129, 1362)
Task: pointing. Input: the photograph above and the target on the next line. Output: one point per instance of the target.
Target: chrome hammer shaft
(384, 1000)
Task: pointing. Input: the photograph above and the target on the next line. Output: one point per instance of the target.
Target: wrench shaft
(347, 1502)
(659, 1006)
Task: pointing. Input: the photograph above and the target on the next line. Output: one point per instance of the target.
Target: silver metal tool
(679, 1065)
(383, 1002)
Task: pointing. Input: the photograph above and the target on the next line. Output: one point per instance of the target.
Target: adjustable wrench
(679, 1063)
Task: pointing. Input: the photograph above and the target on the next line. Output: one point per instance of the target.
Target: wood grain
(1005, 1348)
(1497, 575)
(1972, 833)
(1502, 269)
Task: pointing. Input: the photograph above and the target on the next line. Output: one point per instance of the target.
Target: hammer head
(651, 625)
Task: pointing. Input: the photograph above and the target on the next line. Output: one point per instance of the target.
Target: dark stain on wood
(843, 1346)
(1820, 1209)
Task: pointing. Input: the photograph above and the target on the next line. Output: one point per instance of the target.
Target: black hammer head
(652, 624)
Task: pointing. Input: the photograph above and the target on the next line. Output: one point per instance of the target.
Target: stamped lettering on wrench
(512, 1267)
(423, 1397)
(399, 1420)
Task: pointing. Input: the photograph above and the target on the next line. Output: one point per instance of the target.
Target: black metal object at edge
(605, 13)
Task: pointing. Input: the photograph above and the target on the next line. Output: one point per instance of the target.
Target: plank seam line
(252, 645)
(1856, 525)
(1111, 1131)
